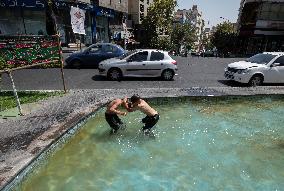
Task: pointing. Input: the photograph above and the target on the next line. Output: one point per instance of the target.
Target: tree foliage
(183, 35)
(224, 37)
(159, 17)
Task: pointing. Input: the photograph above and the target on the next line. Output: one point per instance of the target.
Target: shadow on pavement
(274, 84)
(102, 78)
(238, 84)
(232, 83)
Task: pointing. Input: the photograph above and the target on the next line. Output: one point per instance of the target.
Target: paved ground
(193, 72)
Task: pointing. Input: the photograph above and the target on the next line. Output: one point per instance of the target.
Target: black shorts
(113, 120)
(150, 121)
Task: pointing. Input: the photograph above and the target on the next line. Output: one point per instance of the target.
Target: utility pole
(124, 28)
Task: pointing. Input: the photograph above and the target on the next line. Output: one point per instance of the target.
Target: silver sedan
(143, 63)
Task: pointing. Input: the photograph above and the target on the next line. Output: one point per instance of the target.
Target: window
(140, 56)
(141, 16)
(261, 58)
(156, 56)
(109, 49)
(95, 49)
(280, 60)
(141, 8)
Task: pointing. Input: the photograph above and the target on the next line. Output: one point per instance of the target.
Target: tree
(159, 17)
(224, 37)
(206, 42)
(183, 35)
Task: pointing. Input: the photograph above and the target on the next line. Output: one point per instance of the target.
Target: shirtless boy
(152, 116)
(112, 111)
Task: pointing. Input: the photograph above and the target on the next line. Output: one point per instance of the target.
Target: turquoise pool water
(200, 144)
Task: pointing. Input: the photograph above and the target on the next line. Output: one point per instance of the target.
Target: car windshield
(261, 58)
(128, 53)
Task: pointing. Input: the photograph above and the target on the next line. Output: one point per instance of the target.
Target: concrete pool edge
(52, 147)
(94, 99)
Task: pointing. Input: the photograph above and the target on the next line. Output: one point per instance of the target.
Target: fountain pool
(200, 143)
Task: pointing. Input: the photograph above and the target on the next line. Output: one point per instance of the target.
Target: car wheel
(76, 64)
(114, 74)
(167, 75)
(256, 80)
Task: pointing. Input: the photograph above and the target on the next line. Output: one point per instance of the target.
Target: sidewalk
(23, 138)
(69, 50)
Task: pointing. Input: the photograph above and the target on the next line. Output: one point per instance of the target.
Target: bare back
(146, 108)
(113, 105)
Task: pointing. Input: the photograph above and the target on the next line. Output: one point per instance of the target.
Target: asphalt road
(192, 72)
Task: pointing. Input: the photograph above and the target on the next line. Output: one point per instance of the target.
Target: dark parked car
(93, 55)
(208, 53)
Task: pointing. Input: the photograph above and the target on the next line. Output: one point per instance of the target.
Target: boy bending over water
(112, 112)
(152, 116)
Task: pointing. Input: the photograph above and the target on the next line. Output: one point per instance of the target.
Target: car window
(280, 60)
(156, 56)
(140, 56)
(109, 49)
(261, 58)
(95, 49)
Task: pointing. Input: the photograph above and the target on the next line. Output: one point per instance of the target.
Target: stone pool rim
(149, 94)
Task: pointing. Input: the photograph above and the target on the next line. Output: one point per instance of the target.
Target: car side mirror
(275, 64)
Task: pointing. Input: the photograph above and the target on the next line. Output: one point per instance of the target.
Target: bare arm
(127, 107)
(114, 110)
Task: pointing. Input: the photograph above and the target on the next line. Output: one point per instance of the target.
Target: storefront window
(35, 22)
(271, 11)
(21, 21)
(102, 29)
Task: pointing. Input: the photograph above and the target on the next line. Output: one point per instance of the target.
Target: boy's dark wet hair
(130, 105)
(134, 98)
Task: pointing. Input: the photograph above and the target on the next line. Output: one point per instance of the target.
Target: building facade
(194, 17)
(34, 17)
(261, 26)
(138, 10)
(109, 17)
(103, 19)
(22, 17)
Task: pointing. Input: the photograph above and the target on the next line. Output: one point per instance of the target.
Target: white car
(143, 63)
(267, 67)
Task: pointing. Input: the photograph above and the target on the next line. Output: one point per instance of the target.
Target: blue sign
(100, 11)
(38, 4)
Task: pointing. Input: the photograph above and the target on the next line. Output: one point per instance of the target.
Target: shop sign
(39, 4)
(100, 11)
(66, 4)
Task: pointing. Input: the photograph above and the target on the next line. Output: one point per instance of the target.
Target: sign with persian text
(38, 4)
